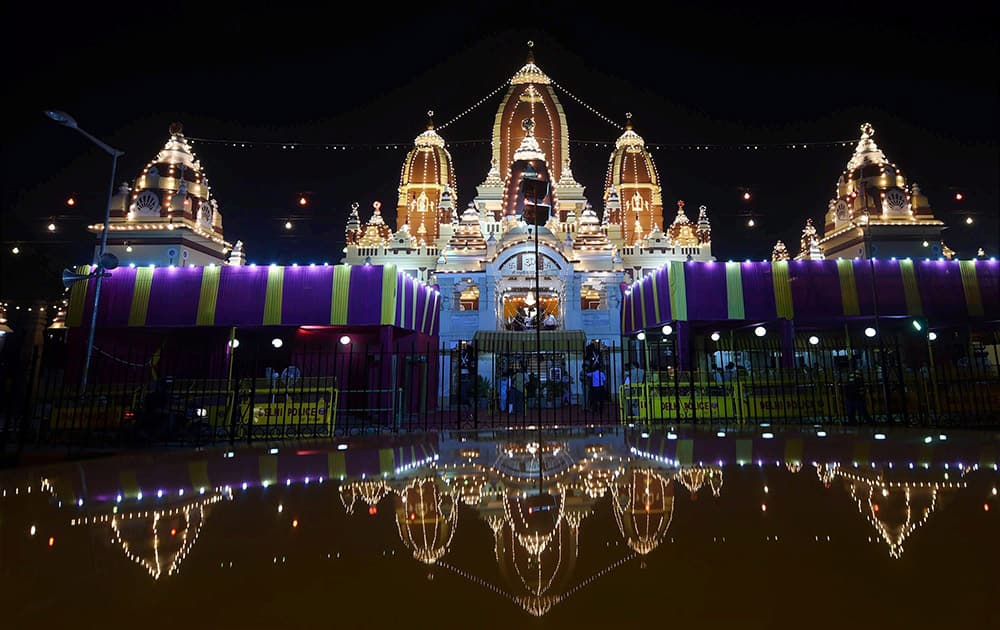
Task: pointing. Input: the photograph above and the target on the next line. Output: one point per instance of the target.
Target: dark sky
(709, 74)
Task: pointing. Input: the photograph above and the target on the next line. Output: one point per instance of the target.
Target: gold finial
(378, 207)
(867, 131)
(628, 121)
(528, 124)
(430, 119)
(680, 204)
(531, 52)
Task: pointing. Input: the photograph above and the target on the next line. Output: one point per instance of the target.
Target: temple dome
(632, 193)
(173, 190)
(426, 185)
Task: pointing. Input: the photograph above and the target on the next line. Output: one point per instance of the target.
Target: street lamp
(100, 262)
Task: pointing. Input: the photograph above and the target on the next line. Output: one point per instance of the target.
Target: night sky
(702, 75)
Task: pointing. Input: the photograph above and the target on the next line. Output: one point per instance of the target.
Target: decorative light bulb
(52, 226)
(746, 196)
(751, 223)
(276, 342)
(71, 201)
(667, 329)
(288, 225)
(716, 336)
(344, 340)
(869, 332)
(303, 201)
(813, 340)
(760, 331)
(641, 336)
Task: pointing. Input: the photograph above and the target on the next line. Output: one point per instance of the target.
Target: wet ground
(764, 528)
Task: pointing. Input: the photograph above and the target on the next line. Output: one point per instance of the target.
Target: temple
(875, 213)
(481, 254)
(168, 215)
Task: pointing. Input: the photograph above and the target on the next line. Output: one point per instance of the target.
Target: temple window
(467, 296)
(592, 297)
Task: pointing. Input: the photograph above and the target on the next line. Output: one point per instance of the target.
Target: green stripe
(656, 298)
(209, 295)
(341, 287)
(387, 460)
(272, 299)
(914, 305)
(389, 294)
(140, 296)
(848, 288)
(336, 465)
(77, 296)
(970, 283)
(782, 289)
(734, 290)
(678, 291)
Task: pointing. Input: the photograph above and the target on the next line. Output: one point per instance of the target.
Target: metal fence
(138, 397)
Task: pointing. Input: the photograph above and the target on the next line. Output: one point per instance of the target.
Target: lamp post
(66, 120)
(871, 265)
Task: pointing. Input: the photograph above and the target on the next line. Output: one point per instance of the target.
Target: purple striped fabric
(306, 294)
(988, 274)
(364, 300)
(241, 296)
(815, 289)
(647, 287)
(662, 278)
(941, 288)
(758, 292)
(706, 290)
(421, 295)
(116, 298)
(889, 285)
(173, 297)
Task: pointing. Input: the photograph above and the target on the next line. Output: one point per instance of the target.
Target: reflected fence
(256, 392)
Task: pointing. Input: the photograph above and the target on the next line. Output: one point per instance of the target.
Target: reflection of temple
(643, 503)
(426, 518)
(895, 508)
(694, 479)
(160, 539)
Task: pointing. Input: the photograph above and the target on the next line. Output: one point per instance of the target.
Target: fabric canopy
(813, 290)
(258, 296)
(508, 341)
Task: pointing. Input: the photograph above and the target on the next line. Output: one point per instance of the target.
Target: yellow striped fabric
(209, 295)
(77, 297)
(973, 299)
(427, 305)
(387, 460)
(782, 289)
(642, 302)
(272, 299)
(914, 305)
(678, 291)
(656, 298)
(341, 286)
(848, 288)
(389, 294)
(140, 296)
(734, 291)
(336, 465)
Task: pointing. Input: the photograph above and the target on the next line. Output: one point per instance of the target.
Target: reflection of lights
(880, 436)
(821, 434)
(767, 436)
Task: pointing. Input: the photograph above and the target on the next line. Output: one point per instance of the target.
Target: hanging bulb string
(656, 146)
(592, 110)
(476, 105)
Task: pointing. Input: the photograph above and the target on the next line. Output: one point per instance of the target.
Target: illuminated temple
(875, 212)
(478, 248)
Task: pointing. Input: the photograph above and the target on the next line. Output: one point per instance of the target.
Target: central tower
(531, 96)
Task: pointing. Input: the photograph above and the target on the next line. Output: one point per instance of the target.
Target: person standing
(597, 382)
(516, 394)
